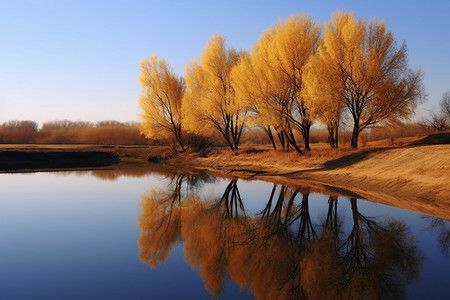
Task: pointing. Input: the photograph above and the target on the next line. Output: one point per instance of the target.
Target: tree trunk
(306, 128)
(230, 144)
(268, 130)
(355, 134)
(332, 221)
(281, 138)
(180, 144)
(228, 140)
(291, 141)
(336, 135)
(333, 131)
(179, 138)
(236, 131)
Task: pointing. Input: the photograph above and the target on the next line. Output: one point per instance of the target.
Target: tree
(444, 104)
(253, 88)
(436, 121)
(18, 132)
(257, 84)
(270, 80)
(66, 125)
(322, 92)
(296, 40)
(21, 125)
(210, 103)
(160, 100)
(370, 70)
(439, 120)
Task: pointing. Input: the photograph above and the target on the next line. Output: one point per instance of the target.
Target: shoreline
(413, 177)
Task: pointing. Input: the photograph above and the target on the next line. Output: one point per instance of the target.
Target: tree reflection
(160, 220)
(281, 253)
(442, 228)
(210, 230)
(379, 259)
(332, 221)
(230, 204)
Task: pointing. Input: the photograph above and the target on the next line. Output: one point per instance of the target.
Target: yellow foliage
(359, 67)
(209, 238)
(322, 91)
(160, 100)
(210, 103)
(269, 82)
(160, 226)
(272, 253)
(256, 84)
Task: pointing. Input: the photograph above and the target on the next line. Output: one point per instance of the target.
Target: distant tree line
(114, 132)
(295, 75)
(71, 132)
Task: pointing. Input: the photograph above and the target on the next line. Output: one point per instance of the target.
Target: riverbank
(413, 178)
(411, 174)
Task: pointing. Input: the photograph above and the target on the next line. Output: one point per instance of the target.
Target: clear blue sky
(79, 60)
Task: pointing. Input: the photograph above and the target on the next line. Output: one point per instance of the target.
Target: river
(103, 235)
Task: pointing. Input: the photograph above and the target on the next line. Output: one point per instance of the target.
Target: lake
(104, 235)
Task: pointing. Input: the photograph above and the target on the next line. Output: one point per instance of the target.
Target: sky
(79, 59)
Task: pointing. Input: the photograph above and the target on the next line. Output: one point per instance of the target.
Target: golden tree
(209, 103)
(160, 100)
(322, 92)
(255, 82)
(270, 80)
(368, 70)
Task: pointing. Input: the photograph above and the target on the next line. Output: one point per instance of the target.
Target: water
(95, 235)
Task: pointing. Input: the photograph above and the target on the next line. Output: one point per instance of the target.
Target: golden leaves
(160, 99)
(210, 102)
(290, 78)
(360, 67)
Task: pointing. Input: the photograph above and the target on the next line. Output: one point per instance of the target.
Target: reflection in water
(279, 253)
(379, 259)
(442, 227)
(160, 221)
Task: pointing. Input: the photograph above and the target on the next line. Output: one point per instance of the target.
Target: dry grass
(398, 174)
(262, 158)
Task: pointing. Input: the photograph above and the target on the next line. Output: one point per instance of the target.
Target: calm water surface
(96, 235)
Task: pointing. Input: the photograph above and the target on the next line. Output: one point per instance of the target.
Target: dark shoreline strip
(20, 160)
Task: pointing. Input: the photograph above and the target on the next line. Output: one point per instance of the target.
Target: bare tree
(440, 120)
(444, 104)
